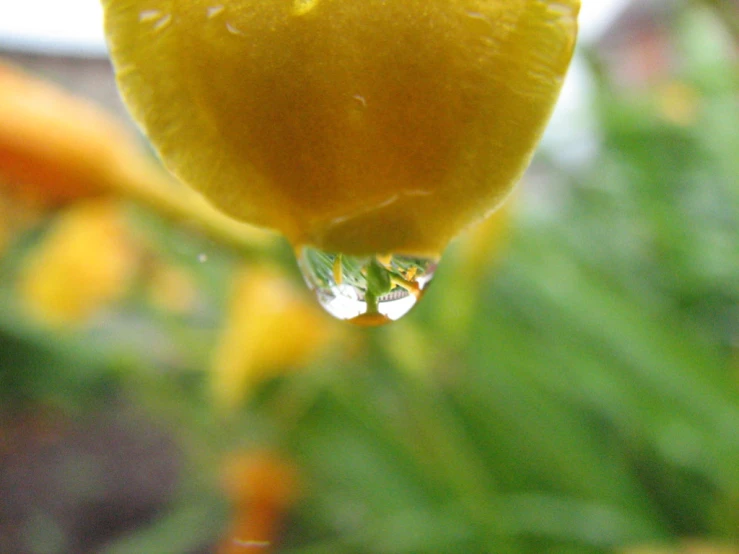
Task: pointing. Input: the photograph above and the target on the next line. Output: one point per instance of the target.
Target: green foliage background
(580, 396)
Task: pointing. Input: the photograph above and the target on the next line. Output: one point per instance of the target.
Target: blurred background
(570, 384)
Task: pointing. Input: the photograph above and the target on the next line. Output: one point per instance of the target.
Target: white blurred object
(597, 15)
(71, 27)
(74, 27)
(571, 137)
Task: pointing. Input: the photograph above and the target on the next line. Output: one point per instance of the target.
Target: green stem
(378, 283)
(452, 460)
(373, 304)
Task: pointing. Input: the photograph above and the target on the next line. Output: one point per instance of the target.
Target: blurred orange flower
(56, 148)
(476, 252)
(261, 486)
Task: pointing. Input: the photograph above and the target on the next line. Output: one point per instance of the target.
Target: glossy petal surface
(355, 127)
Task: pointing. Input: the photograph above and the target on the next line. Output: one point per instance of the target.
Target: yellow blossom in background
(85, 263)
(476, 252)
(483, 245)
(271, 328)
(678, 103)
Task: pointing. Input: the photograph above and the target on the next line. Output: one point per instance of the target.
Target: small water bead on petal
(149, 15)
(231, 28)
(158, 19)
(302, 7)
(367, 290)
(213, 11)
(163, 22)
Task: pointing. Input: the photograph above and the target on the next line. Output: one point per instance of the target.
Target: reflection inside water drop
(366, 290)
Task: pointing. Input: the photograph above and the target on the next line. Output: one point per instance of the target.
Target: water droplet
(231, 28)
(149, 15)
(479, 23)
(163, 22)
(302, 7)
(159, 19)
(213, 11)
(366, 290)
(202, 258)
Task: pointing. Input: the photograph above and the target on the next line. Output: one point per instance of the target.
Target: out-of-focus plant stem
(149, 186)
(462, 470)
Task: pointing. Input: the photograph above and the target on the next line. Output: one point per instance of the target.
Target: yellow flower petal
(357, 127)
(270, 329)
(85, 262)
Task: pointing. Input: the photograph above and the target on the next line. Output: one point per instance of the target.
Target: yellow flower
(85, 263)
(678, 103)
(271, 328)
(373, 126)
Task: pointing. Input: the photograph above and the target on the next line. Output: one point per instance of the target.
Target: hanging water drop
(366, 290)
